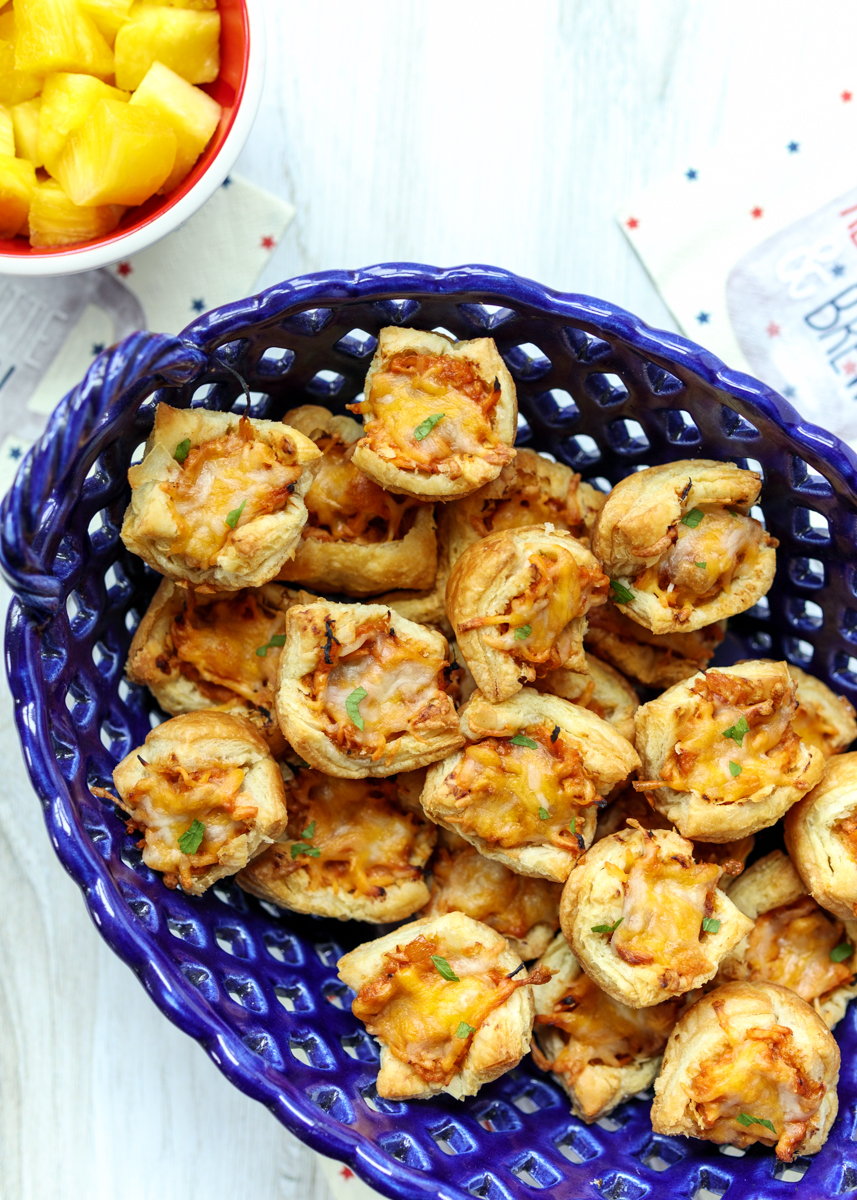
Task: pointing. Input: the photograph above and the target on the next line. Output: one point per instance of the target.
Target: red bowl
(236, 89)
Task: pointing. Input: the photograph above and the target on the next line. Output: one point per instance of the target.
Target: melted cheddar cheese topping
(167, 799)
(665, 901)
(529, 502)
(482, 888)
(215, 646)
(702, 562)
(215, 479)
(414, 1011)
(557, 592)
(758, 1074)
(770, 754)
(406, 685)
(813, 725)
(791, 945)
(344, 505)
(365, 841)
(499, 788)
(411, 388)
(602, 1032)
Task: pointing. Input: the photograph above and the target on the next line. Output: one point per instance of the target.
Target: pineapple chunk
(121, 155)
(67, 101)
(25, 121)
(55, 221)
(187, 42)
(15, 86)
(7, 133)
(55, 35)
(109, 15)
(199, 5)
(191, 114)
(17, 185)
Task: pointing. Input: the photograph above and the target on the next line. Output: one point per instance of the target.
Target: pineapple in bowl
(102, 107)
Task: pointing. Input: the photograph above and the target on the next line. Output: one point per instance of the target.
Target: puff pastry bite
(629, 803)
(517, 601)
(821, 836)
(439, 417)
(523, 909)
(362, 691)
(823, 719)
(600, 688)
(749, 1062)
(217, 502)
(206, 795)
(222, 652)
(529, 491)
(354, 849)
(720, 757)
(427, 606)
(679, 546)
(525, 790)
(358, 538)
(656, 660)
(646, 921)
(600, 1050)
(448, 1002)
(794, 942)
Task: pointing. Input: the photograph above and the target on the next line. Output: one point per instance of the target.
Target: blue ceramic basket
(597, 389)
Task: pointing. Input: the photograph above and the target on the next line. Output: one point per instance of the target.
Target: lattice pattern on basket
(259, 986)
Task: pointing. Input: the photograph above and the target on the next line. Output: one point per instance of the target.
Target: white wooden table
(447, 132)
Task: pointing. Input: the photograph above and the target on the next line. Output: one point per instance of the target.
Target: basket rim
(77, 853)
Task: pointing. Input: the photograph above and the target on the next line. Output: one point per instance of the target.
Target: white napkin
(754, 249)
(52, 328)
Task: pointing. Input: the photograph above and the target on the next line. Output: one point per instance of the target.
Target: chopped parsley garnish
(735, 769)
(623, 594)
(352, 706)
(841, 952)
(464, 1030)
(523, 631)
(710, 924)
(520, 740)
(607, 928)
(543, 814)
(444, 969)
(298, 848)
(701, 566)
(235, 516)
(691, 519)
(574, 826)
(279, 639)
(309, 833)
(736, 732)
(425, 427)
(182, 450)
(746, 1119)
(191, 840)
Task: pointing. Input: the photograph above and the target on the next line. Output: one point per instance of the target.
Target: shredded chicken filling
(769, 755)
(418, 1014)
(215, 645)
(500, 790)
(530, 503)
(361, 839)
(665, 902)
(602, 1032)
(412, 389)
(406, 685)
(813, 726)
(216, 478)
(791, 945)
(538, 624)
(702, 561)
(344, 505)
(482, 888)
(165, 802)
(758, 1074)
